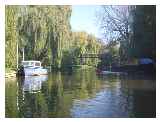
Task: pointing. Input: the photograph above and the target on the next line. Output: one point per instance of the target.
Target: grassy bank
(81, 66)
(10, 72)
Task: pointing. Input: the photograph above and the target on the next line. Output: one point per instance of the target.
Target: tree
(116, 25)
(134, 27)
(115, 22)
(85, 43)
(45, 34)
(11, 36)
(144, 32)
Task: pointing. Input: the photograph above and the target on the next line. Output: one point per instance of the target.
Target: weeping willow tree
(60, 34)
(32, 33)
(11, 36)
(43, 32)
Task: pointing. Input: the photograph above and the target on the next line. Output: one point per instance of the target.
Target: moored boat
(105, 72)
(31, 68)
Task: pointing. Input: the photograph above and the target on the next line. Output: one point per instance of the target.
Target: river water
(81, 93)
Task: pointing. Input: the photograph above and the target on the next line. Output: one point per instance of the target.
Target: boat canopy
(31, 63)
(145, 61)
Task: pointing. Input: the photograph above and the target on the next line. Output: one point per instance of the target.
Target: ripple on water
(105, 104)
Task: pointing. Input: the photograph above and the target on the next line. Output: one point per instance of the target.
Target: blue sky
(84, 18)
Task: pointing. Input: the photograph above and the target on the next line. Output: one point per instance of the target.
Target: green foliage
(67, 59)
(136, 32)
(110, 54)
(84, 43)
(144, 32)
(44, 30)
(11, 36)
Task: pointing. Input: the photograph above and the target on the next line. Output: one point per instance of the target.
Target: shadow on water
(80, 94)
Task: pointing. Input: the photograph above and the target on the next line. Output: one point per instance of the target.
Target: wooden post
(110, 66)
(17, 54)
(23, 54)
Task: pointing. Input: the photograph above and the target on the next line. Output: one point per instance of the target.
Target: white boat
(32, 68)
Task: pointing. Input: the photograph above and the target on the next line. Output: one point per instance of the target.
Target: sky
(84, 18)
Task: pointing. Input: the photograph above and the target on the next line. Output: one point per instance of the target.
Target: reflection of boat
(31, 68)
(34, 83)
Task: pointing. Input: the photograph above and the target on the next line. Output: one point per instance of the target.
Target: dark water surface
(81, 94)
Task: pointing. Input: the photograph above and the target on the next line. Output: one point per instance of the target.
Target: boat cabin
(31, 64)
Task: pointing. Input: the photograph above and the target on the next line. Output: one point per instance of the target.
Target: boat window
(25, 64)
(31, 63)
(37, 64)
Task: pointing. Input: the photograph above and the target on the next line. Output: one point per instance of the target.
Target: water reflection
(33, 84)
(81, 94)
(110, 101)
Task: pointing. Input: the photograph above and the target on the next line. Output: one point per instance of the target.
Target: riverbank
(81, 67)
(10, 73)
(132, 69)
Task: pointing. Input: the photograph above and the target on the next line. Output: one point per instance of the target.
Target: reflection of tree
(11, 89)
(53, 94)
(56, 96)
(34, 105)
(144, 103)
(30, 104)
(63, 89)
(140, 101)
(87, 84)
(20, 96)
(81, 91)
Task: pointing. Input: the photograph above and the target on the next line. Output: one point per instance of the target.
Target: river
(81, 93)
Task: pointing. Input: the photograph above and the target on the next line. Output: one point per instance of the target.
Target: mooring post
(23, 54)
(17, 54)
